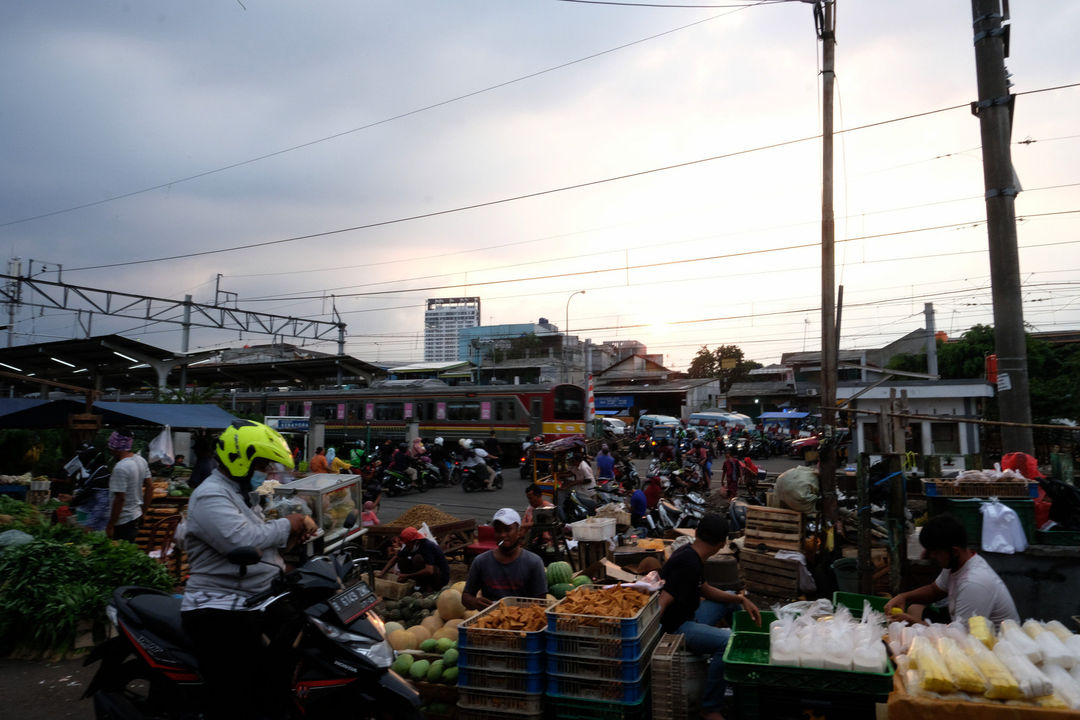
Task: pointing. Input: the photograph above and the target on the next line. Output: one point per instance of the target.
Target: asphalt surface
(38, 690)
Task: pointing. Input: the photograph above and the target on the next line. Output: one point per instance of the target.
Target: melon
(468, 614)
(432, 623)
(449, 675)
(434, 673)
(449, 604)
(559, 572)
(560, 590)
(391, 627)
(428, 645)
(581, 580)
(449, 634)
(453, 623)
(551, 599)
(450, 657)
(403, 640)
(403, 663)
(420, 634)
(419, 669)
(459, 586)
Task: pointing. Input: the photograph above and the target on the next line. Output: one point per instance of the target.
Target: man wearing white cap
(507, 571)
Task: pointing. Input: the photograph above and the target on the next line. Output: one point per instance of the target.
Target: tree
(726, 363)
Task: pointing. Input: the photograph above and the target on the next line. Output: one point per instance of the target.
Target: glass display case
(329, 498)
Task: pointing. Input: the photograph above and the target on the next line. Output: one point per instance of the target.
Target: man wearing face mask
(970, 584)
(507, 571)
(221, 518)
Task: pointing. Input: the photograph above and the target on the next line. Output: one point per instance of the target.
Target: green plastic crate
(1057, 537)
(746, 662)
(759, 702)
(741, 622)
(967, 510)
(854, 602)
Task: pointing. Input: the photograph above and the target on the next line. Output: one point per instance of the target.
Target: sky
(521, 151)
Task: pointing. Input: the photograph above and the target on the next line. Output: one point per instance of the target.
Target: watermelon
(561, 589)
(559, 572)
(581, 580)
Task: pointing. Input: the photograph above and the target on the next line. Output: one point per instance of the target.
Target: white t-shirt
(975, 589)
(127, 477)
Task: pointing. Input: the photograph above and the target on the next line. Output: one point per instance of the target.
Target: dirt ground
(35, 690)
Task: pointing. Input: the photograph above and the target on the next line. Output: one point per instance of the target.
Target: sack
(161, 447)
(1001, 531)
(797, 489)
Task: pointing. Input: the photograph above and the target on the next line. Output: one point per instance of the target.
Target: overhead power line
(536, 194)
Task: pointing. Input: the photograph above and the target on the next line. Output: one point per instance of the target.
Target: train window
(463, 410)
(389, 411)
(324, 410)
(569, 403)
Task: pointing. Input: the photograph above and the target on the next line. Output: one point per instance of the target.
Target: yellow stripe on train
(564, 428)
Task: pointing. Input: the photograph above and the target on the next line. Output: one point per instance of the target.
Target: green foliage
(725, 363)
(64, 576)
(41, 452)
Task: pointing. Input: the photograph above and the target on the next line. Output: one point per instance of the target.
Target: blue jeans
(704, 638)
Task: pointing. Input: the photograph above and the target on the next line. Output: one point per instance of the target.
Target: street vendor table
(451, 537)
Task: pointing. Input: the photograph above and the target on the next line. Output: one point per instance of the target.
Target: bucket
(846, 571)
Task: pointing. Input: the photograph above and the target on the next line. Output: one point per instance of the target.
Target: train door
(536, 416)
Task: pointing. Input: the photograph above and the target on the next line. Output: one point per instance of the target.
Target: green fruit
(402, 664)
(434, 672)
(581, 580)
(450, 657)
(429, 645)
(449, 675)
(560, 590)
(443, 644)
(439, 708)
(559, 572)
(419, 669)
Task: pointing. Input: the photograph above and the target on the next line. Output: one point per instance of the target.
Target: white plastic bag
(426, 532)
(1001, 531)
(161, 448)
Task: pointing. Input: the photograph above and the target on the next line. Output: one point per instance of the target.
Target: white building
(442, 320)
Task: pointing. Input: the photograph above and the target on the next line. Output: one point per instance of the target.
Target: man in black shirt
(683, 612)
(421, 561)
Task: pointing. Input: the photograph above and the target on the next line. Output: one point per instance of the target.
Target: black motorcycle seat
(160, 614)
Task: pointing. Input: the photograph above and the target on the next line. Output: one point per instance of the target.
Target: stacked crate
(598, 667)
(678, 680)
(500, 672)
(767, 531)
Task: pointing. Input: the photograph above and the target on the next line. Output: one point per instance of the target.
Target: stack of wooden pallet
(769, 530)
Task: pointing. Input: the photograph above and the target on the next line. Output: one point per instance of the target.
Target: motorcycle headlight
(378, 652)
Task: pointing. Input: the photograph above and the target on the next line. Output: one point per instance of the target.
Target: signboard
(307, 408)
(408, 410)
(369, 411)
(485, 410)
(728, 363)
(283, 409)
(614, 402)
(288, 423)
(440, 411)
(341, 411)
(1004, 382)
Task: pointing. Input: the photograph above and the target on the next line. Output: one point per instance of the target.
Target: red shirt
(653, 493)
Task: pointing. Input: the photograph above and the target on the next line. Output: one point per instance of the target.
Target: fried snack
(526, 618)
(618, 602)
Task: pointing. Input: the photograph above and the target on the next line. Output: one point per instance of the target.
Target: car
(614, 426)
(800, 447)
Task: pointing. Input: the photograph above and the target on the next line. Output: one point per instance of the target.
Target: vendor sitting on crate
(970, 584)
(683, 612)
(507, 571)
(420, 560)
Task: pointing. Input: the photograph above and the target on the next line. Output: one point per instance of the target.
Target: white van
(645, 423)
(713, 419)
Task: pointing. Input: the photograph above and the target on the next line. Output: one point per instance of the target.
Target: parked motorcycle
(327, 641)
(575, 507)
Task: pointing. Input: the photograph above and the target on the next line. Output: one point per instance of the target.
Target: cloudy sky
(147, 129)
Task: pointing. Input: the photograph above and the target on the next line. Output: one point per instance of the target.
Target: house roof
(654, 388)
(629, 359)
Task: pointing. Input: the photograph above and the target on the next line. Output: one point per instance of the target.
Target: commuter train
(514, 412)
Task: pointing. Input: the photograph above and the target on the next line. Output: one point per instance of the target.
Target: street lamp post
(566, 335)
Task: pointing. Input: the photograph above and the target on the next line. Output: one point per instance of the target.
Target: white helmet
(438, 441)
(465, 443)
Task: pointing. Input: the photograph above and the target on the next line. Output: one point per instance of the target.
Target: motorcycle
(641, 446)
(324, 639)
(575, 507)
(471, 480)
(398, 483)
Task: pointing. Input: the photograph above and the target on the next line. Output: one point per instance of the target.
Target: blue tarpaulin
(782, 415)
(174, 415)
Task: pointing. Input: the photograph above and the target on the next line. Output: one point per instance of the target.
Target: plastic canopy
(782, 415)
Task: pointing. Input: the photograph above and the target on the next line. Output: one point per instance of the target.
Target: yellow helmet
(245, 440)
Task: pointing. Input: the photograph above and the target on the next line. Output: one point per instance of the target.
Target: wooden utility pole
(994, 110)
(826, 19)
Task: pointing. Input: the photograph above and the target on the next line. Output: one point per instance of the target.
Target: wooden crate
(392, 589)
(765, 575)
(773, 529)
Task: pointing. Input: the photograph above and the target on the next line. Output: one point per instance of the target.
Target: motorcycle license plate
(353, 602)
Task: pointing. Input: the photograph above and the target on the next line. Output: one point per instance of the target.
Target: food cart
(329, 499)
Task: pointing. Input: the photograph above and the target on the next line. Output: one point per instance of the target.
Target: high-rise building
(442, 320)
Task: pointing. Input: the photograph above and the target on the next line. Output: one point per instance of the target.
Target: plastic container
(614, 648)
(585, 666)
(568, 708)
(464, 713)
(741, 622)
(846, 571)
(593, 689)
(593, 529)
(600, 626)
(500, 701)
(500, 680)
(954, 488)
(530, 662)
(854, 602)
(746, 661)
(761, 701)
(1057, 537)
(472, 637)
(967, 510)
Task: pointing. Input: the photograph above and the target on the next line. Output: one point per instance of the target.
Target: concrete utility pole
(994, 110)
(826, 19)
(931, 340)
